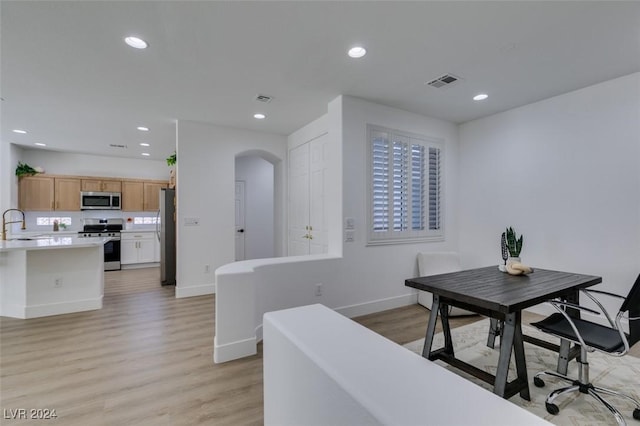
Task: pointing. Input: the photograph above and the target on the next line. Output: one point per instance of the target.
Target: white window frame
(392, 236)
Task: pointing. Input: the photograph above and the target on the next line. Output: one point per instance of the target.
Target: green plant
(24, 169)
(513, 245)
(171, 160)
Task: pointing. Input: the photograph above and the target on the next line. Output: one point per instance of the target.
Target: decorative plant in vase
(514, 246)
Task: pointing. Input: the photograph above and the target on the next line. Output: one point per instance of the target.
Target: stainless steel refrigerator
(166, 231)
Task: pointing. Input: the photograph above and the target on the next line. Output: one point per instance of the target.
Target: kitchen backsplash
(145, 220)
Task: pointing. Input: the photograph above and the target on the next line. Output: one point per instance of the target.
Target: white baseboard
(377, 305)
(36, 311)
(233, 350)
(195, 290)
(12, 311)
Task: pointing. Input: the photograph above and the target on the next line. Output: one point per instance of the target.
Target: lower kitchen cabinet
(138, 247)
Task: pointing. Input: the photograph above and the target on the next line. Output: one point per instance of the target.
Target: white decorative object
(513, 260)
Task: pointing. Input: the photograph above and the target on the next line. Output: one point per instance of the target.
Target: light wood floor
(145, 358)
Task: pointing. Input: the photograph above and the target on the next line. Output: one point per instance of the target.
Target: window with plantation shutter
(405, 187)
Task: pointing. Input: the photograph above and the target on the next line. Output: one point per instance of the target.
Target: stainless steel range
(96, 227)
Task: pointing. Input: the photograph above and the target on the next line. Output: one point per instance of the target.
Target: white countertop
(47, 242)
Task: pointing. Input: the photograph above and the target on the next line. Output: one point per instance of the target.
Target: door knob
(240, 230)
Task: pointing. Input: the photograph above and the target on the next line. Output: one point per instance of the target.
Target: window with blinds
(405, 187)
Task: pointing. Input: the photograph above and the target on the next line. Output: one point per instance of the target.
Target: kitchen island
(43, 276)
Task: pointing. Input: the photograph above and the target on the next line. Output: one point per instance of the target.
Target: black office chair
(592, 337)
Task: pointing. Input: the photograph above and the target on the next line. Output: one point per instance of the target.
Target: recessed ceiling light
(22, 132)
(143, 129)
(480, 97)
(259, 116)
(136, 42)
(357, 52)
(146, 154)
(40, 144)
(144, 144)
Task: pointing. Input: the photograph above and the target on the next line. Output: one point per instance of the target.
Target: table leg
(446, 329)
(494, 331)
(518, 352)
(506, 344)
(431, 327)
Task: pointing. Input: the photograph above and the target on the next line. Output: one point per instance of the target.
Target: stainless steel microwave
(100, 200)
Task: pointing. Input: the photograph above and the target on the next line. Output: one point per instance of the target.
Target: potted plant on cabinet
(171, 162)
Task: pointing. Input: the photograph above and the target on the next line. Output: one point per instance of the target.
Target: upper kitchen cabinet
(100, 185)
(132, 196)
(152, 195)
(67, 194)
(141, 195)
(37, 193)
(47, 193)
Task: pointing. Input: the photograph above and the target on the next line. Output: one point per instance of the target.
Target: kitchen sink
(35, 237)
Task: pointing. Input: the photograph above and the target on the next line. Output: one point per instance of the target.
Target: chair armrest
(573, 305)
(603, 292)
(597, 302)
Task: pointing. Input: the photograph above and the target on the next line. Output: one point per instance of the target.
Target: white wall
(257, 174)
(10, 154)
(65, 163)
(565, 172)
(380, 270)
(206, 190)
(355, 279)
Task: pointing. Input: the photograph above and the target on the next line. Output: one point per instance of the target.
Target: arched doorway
(255, 205)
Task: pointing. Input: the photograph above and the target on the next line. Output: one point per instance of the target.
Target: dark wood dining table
(502, 297)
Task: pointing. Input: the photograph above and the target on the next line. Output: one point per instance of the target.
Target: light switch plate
(349, 236)
(349, 223)
(191, 221)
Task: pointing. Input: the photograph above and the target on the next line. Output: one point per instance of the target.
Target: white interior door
(307, 209)
(298, 201)
(317, 214)
(240, 225)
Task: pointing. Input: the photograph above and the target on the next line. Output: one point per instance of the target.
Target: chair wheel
(552, 408)
(636, 414)
(538, 382)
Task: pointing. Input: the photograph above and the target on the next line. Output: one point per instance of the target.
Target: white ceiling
(70, 81)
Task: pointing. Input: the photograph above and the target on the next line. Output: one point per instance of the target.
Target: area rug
(577, 409)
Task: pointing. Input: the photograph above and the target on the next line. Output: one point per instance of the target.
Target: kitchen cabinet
(152, 195)
(132, 196)
(67, 194)
(37, 193)
(47, 193)
(101, 185)
(59, 192)
(141, 195)
(138, 247)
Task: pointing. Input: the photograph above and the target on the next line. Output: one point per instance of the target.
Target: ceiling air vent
(264, 98)
(444, 81)
(114, 145)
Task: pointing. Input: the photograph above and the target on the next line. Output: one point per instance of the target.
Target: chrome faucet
(5, 223)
